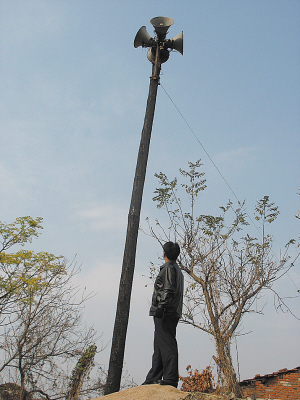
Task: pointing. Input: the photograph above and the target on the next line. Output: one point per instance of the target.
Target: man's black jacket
(167, 296)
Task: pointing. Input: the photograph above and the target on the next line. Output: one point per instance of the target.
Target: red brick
(281, 385)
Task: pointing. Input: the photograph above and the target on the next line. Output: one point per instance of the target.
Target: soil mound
(147, 392)
(158, 392)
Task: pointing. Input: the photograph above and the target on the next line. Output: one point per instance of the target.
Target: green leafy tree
(226, 269)
(42, 329)
(13, 273)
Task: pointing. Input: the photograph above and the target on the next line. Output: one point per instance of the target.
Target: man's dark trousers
(165, 356)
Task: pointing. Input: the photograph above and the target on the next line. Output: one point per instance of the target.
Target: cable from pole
(202, 146)
(222, 176)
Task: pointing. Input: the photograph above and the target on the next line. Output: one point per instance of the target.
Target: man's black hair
(172, 250)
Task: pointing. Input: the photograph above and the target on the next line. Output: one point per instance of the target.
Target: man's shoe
(149, 383)
(170, 383)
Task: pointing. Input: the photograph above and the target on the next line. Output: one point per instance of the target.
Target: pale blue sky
(73, 98)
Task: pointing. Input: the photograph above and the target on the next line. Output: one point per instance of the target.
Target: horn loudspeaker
(161, 24)
(142, 38)
(177, 43)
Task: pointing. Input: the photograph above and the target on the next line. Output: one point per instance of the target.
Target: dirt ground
(156, 392)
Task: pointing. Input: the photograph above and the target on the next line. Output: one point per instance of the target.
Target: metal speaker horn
(177, 43)
(143, 38)
(161, 24)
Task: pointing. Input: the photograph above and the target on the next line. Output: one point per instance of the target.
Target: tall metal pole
(123, 305)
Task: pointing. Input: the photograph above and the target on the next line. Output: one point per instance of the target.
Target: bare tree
(47, 332)
(226, 269)
(42, 329)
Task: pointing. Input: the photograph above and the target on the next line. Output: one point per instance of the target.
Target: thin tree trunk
(224, 362)
(22, 390)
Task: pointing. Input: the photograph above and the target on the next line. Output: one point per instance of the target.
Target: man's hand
(159, 312)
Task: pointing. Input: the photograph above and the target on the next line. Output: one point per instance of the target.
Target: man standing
(166, 309)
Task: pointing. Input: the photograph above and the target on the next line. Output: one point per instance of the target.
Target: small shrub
(197, 381)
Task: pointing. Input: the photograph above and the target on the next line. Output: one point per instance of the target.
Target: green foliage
(85, 361)
(24, 273)
(196, 183)
(166, 193)
(19, 232)
(81, 370)
(266, 211)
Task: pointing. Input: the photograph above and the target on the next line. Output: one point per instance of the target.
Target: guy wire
(222, 176)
